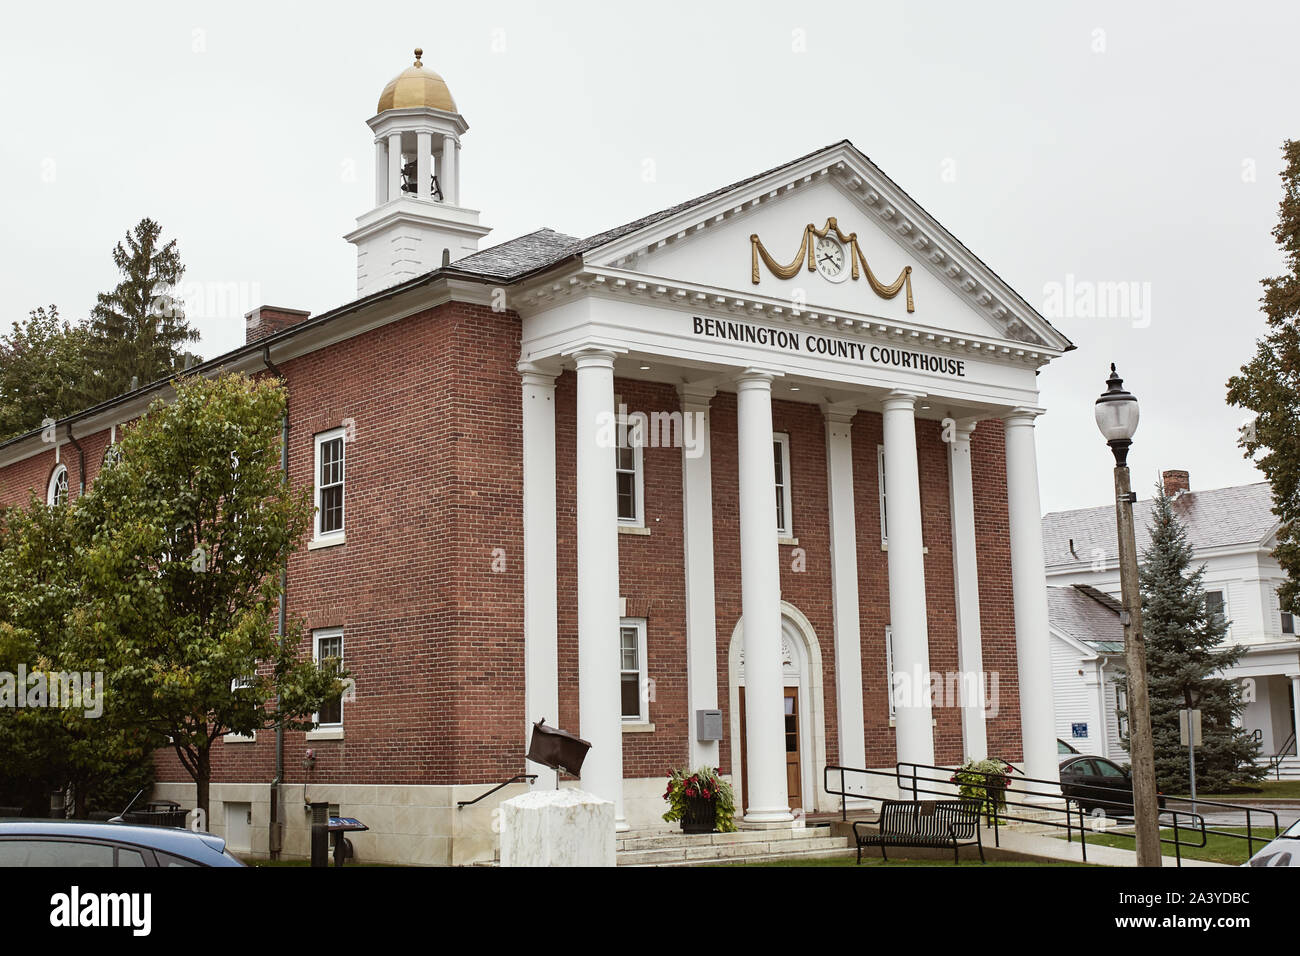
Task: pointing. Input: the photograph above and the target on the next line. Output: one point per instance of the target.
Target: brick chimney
(268, 319)
(1175, 482)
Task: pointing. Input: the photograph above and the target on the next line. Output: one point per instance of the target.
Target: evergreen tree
(44, 371)
(139, 330)
(1185, 661)
(1269, 384)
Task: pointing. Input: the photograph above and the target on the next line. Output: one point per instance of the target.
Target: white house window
(889, 668)
(1214, 604)
(628, 474)
(880, 473)
(328, 644)
(57, 492)
(784, 499)
(330, 470)
(1288, 622)
(1121, 709)
(634, 687)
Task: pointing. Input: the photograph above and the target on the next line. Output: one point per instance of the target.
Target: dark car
(1063, 748)
(78, 843)
(1096, 783)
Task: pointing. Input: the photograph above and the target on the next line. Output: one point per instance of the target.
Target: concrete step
(700, 848)
(818, 853)
(665, 839)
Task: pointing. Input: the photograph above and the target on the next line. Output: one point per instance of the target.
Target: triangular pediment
(895, 261)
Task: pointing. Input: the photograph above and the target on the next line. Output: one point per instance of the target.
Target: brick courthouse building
(768, 452)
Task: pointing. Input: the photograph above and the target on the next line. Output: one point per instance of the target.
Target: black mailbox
(557, 749)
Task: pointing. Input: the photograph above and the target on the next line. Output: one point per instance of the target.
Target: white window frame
(880, 477)
(1223, 610)
(889, 671)
(638, 472)
(327, 730)
(1284, 617)
(642, 685)
(325, 539)
(52, 487)
(782, 440)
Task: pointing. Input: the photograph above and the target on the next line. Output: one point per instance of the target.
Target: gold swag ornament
(810, 233)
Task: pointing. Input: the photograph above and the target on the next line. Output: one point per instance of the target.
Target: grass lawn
(1217, 849)
(1278, 789)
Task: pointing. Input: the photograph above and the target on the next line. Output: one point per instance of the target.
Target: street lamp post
(1117, 418)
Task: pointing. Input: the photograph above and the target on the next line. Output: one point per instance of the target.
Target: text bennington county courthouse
(769, 452)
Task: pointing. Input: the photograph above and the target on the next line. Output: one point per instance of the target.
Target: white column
(1029, 597)
(760, 595)
(914, 730)
(599, 665)
(965, 570)
(381, 172)
(541, 672)
(449, 175)
(394, 166)
(1295, 705)
(844, 586)
(424, 164)
(697, 531)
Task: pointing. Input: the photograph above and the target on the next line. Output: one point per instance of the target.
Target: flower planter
(699, 815)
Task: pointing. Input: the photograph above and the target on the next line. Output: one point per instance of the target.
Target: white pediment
(712, 244)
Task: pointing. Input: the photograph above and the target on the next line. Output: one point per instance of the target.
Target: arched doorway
(801, 669)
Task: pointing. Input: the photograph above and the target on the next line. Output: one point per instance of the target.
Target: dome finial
(418, 53)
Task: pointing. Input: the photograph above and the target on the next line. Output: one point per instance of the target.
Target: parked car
(1063, 748)
(80, 843)
(1096, 783)
(1283, 850)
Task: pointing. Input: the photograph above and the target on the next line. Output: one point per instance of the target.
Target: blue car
(79, 843)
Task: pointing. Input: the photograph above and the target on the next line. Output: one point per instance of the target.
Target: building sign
(1078, 730)
(816, 344)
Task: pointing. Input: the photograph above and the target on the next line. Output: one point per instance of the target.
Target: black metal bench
(923, 823)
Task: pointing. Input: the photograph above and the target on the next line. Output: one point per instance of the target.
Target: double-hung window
(784, 498)
(330, 474)
(1215, 606)
(884, 514)
(634, 687)
(327, 644)
(628, 471)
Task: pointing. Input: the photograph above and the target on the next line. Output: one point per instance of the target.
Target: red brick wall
(433, 634)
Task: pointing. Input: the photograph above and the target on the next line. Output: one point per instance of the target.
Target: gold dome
(415, 87)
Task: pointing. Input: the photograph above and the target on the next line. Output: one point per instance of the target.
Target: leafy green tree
(185, 537)
(1269, 384)
(44, 371)
(91, 748)
(139, 330)
(1185, 661)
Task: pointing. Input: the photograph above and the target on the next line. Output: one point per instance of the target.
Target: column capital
(696, 394)
(839, 413)
(756, 377)
(901, 398)
(1022, 415)
(535, 373)
(964, 427)
(593, 355)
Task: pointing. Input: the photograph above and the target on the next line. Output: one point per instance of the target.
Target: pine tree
(1269, 384)
(139, 330)
(1185, 663)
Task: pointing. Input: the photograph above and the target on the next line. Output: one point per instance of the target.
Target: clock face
(832, 258)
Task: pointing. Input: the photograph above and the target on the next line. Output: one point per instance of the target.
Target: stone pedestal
(557, 828)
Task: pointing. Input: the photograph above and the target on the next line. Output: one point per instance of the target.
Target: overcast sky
(1068, 145)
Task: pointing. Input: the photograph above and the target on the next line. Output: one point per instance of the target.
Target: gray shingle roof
(517, 257)
(1219, 517)
(1088, 616)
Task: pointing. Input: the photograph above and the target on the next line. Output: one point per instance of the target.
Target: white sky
(241, 128)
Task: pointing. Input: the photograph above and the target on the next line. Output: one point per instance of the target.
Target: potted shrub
(985, 781)
(701, 800)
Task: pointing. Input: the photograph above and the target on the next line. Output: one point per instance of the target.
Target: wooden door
(793, 771)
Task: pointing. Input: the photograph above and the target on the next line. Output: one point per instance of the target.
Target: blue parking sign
(1079, 730)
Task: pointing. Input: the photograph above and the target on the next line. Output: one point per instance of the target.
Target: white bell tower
(418, 223)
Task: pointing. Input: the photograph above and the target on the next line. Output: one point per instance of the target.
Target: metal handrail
(530, 777)
(1275, 761)
(1051, 801)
